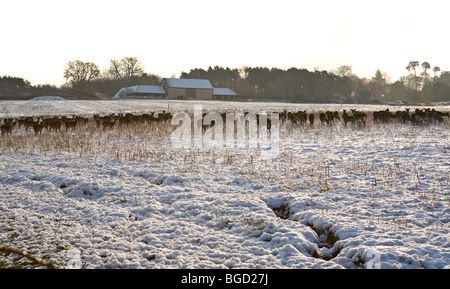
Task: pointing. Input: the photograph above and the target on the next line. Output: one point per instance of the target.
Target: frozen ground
(129, 200)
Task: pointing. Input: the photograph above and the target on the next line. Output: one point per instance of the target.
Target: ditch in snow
(326, 239)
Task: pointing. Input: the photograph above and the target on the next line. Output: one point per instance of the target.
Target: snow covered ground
(335, 196)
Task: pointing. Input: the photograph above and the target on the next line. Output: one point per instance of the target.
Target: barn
(188, 88)
(224, 94)
(141, 92)
(176, 88)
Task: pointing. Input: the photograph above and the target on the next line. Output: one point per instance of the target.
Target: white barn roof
(188, 83)
(223, 91)
(156, 89)
(140, 89)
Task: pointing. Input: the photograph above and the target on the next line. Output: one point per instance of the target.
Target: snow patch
(48, 97)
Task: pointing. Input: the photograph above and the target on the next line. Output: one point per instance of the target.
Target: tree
(79, 73)
(425, 67)
(10, 85)
(127, 68)
(438, 89)
(436, 69)
(398, 91)
(344, 70)
(412, 66)
(15, 82)
(379, 84)
(149, 79)
(409, 81)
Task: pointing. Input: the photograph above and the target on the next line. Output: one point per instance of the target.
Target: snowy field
(334, 197)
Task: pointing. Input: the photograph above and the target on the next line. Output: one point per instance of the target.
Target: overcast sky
(38, 38)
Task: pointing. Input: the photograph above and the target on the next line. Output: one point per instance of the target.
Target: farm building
(174, 88)
(224, 94)
(188, 88)
(141, 91)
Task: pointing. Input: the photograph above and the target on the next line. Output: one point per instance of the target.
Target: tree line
(337, 85)
(86, 79)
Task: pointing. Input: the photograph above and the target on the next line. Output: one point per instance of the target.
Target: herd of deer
(56, 124)
(359, 118)
(328, 117)
(355, 118)
(419, 116)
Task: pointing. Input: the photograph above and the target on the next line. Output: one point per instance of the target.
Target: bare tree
(78, 72)
(344, 70)
(126, 68)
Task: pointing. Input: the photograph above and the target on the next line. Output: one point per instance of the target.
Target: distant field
(90, 107)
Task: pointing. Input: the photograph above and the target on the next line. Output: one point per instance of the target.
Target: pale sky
(38, 38)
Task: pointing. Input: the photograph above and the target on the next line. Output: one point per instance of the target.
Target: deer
(38, 128)
(437, 116)
(7, 128)
(311, 119)
(332, 116)
(360, 117)
(126, 119)
(336, 115)
(347, 118)
(70, 123)
(323, 118)
(54, 125)
(108, 123)
(302, 116)
(29, 124)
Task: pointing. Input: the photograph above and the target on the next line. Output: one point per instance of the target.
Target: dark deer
(360, 117)
(331, 116)
(323, 118)
(311, 119)
(38, 128)
(70, 123)
(54, 125)
(302, 117)
(7, 128)
(108, 123)
(437, 116)
(347, 118)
